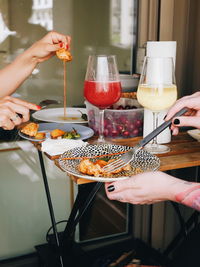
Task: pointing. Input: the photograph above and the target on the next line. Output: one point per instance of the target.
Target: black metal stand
(82, 202)
(51, 211)
(185, 226)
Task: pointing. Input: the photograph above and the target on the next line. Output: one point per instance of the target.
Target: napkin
(59, 146)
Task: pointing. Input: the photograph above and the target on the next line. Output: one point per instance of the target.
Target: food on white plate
(30, 129)
(89, 167)
(56, 133)
(40, 135)
(72, 134)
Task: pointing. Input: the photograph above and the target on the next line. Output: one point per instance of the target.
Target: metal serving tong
(47, 102)
(129, 155)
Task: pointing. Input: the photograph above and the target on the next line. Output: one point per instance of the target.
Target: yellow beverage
(156, 98)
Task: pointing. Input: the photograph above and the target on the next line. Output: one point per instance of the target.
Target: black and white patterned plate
(142, 160)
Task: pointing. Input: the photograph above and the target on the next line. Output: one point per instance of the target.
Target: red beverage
(102, 94)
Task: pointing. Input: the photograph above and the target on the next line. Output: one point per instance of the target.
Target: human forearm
(15, 73)
(152, 187)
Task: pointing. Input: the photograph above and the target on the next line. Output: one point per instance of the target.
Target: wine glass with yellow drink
(157, 91)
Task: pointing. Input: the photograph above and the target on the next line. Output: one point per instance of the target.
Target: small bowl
(123, 120)
(129, 82)
(195, 133)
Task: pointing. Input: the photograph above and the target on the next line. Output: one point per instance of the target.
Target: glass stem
(101, 125)
(155, 125)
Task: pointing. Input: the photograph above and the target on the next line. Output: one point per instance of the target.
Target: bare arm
(152, 187)
(15, 73)
(190, 197)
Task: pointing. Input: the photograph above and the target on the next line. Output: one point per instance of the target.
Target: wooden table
(185, 152)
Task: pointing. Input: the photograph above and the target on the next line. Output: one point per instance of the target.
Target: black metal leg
(82, 202)
(149, 236)
(185, 225)
(179, 236)
(51, 211)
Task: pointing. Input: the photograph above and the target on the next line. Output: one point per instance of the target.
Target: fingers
(48, 45)
(57, 39)
(192, 102)
(130, 195)
(14, 111)
(19, 109)
(144, 188)
(185, 121)
(8, 118)
(26, 104)
(122, 185)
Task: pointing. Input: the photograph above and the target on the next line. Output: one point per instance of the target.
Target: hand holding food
(48, 45)
(15, 73)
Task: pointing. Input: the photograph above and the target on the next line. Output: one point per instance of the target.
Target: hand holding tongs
(128, 156)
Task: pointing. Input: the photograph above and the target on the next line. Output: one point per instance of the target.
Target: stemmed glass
(102, 86)
(157, 91)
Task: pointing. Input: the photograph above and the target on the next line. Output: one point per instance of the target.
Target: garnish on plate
(83, 116)
(72, 134)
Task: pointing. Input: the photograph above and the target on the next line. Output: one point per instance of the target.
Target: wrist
(180, 189)
(27, 58)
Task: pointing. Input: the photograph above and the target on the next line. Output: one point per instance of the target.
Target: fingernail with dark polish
(61, 45)
(111, 188)
(165, 117)
(176, 121)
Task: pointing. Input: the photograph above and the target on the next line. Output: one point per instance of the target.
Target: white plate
(142, 160)
(56, 115)
(195, 134)
(84, 131)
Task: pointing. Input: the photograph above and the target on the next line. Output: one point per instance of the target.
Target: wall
(80, 19)
(24, 217)
(23, 208)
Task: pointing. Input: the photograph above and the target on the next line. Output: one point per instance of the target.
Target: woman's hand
(46, 47)
(14, 111)
(190, 118)
(146, 188)
(15, 73)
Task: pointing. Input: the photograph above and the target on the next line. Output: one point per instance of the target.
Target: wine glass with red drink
(102, 87)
